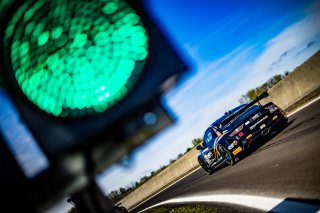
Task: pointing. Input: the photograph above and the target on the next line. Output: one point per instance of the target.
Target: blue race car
(232, 134)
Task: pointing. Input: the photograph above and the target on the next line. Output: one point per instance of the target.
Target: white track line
(265, 204)
(262, 203)
(304, 106)
(165, 188)
(256, 202)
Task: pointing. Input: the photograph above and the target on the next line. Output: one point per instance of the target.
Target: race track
(285, 167)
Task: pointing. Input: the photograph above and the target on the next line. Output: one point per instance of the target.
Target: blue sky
(231, 47)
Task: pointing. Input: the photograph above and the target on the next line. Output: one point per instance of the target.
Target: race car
(232, 134)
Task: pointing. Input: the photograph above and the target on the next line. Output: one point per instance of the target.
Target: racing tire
(226, 154)
(204, 166)
(284, 122)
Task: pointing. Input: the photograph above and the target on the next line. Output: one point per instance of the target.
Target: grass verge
(181, 209)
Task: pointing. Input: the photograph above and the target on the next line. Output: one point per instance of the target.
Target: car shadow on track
(219, 168)
(257, 145)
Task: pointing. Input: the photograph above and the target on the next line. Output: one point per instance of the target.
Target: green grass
(181, 209)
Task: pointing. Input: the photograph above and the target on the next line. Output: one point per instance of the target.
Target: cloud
(210, 81)
(291, 42)
(280, 59)
(311, 43)
(147, 172)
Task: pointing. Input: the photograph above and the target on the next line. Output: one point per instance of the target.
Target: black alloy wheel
(226, 154)
(204, 166)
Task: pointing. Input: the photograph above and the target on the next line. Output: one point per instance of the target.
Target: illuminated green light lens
(74, 57)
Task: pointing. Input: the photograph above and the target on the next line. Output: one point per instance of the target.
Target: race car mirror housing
(199, 147)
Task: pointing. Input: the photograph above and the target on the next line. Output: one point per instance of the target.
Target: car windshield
(209, 135)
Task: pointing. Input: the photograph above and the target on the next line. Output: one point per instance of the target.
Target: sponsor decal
(234, 143)
(254, 126)
(236, 151)
(249, 136)
(231, 146)
(255, 116)
(238, 129)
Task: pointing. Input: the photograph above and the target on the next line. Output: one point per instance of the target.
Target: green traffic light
(71, 58)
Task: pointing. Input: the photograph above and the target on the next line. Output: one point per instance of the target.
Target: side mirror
(199, 147)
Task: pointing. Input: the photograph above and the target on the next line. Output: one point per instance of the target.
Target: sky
(230, 46)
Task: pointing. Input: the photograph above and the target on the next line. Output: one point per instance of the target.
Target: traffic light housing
(76, 63)
(85, 77)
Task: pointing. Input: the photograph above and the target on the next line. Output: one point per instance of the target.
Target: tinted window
(209, 135)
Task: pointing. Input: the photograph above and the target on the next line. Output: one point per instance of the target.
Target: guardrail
(170, 174)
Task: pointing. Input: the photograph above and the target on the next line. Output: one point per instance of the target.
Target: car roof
(232, 111)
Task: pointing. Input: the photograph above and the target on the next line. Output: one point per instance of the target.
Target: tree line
(253, 93)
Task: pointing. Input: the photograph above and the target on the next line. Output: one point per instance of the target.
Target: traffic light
(82, 65)
(79, 63)
(85, 77)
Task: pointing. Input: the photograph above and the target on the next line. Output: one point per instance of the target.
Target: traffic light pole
(91, 199)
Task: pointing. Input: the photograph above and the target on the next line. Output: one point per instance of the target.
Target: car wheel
(204, 166)
(285, 121)
(226, 154)
(283, 124)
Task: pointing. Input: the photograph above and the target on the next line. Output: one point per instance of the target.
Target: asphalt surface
(286, 165)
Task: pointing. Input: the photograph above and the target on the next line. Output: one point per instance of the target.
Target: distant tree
(122, 190)
(144, 179)
(114, 193)
(253, 93)
(189, 148)
(196, 141)
(172, 161)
